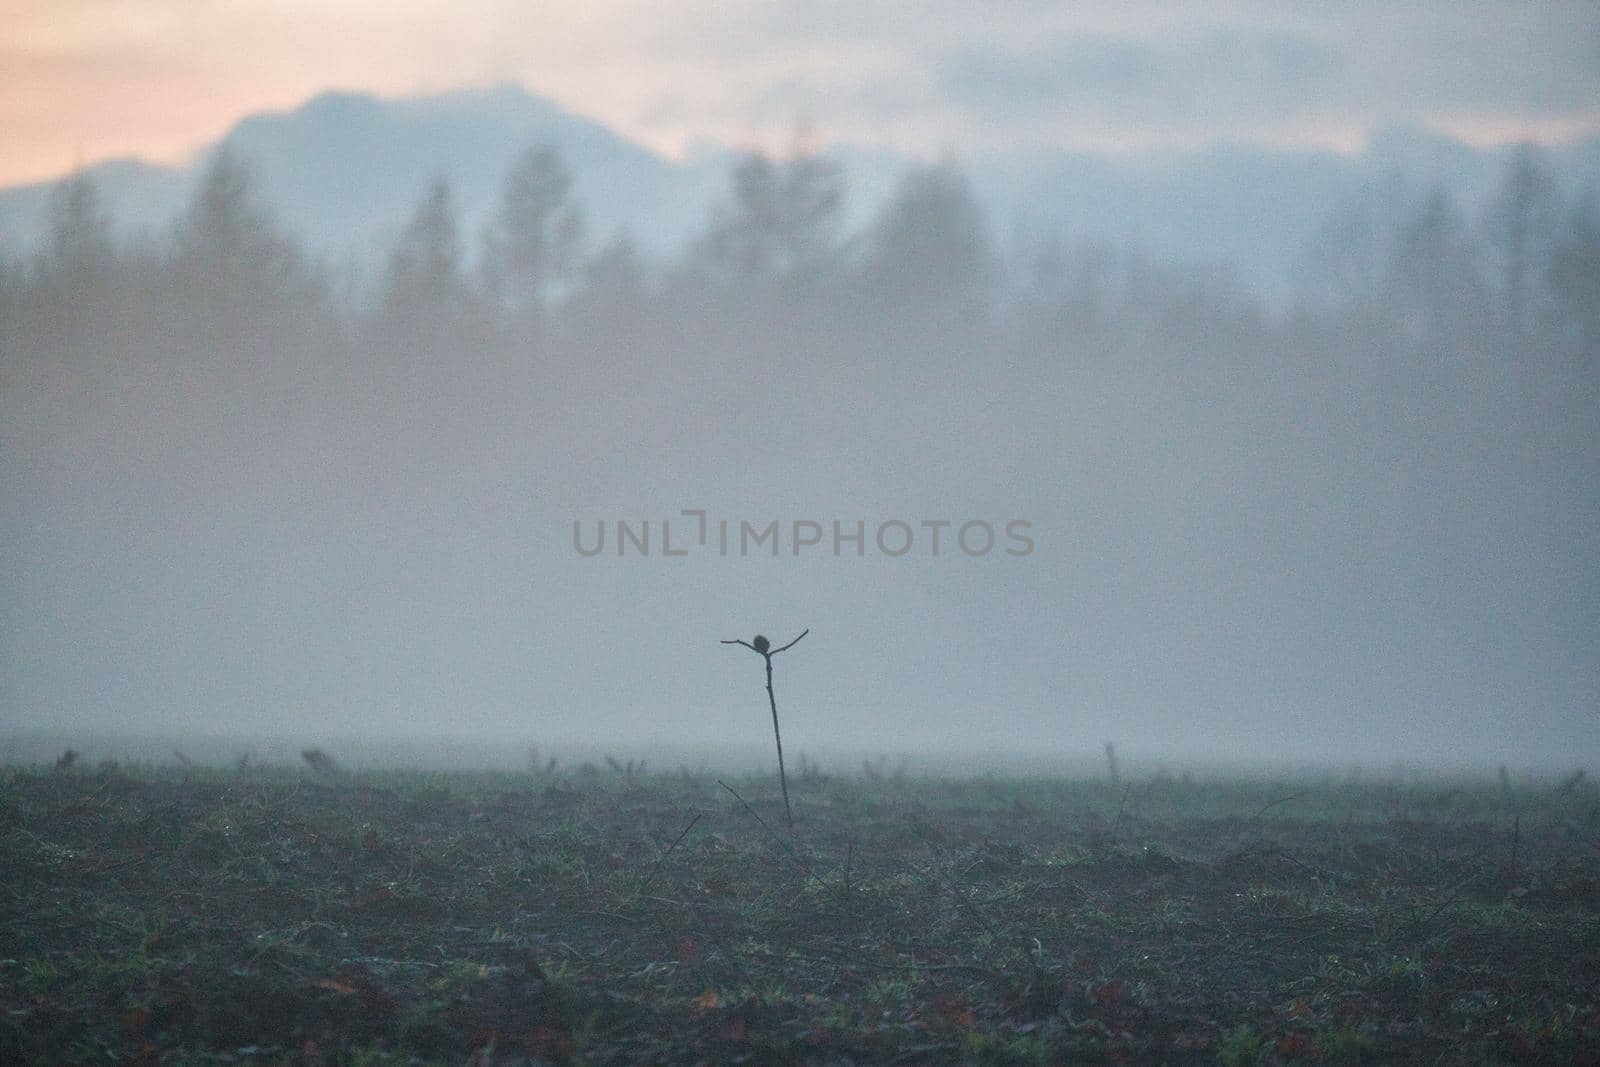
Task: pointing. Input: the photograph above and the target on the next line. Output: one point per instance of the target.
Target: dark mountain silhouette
(343, 169)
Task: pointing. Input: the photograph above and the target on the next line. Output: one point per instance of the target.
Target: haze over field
(1280, 409)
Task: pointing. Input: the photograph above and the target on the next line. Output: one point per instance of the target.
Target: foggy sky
(86, 80)
(241, 498)
(246, 492)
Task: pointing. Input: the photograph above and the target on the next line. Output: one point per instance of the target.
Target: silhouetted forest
(1396, 480)
(225, 323)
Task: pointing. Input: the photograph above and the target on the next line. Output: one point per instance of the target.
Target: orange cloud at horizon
(87, 80)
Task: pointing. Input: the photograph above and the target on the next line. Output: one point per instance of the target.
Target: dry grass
(276, 916)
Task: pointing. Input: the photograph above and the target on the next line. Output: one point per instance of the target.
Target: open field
(277, 915)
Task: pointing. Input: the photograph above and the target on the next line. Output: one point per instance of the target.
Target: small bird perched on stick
(762, 645)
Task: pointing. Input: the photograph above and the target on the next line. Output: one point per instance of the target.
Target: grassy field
(278, 915)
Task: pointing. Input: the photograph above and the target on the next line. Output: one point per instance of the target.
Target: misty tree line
(237, 476)
(225, 317)
(1528, 267)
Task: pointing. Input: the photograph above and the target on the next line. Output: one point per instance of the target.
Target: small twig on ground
(849, 857)
(773, 833)
(955, 891)
(320, 762)
(1268, 807)
(1144, 794)
(1116, 823)
(656, 867)
(1247, 825)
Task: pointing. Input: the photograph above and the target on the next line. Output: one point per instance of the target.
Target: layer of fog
(242, 499)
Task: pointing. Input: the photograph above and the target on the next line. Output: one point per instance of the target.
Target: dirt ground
(577, 915)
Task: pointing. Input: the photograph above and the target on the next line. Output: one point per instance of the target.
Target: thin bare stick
(791, 644)
(777, 738)
(769, 652)
(760, 647)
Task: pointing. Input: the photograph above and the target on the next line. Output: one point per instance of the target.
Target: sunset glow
(86, 80)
